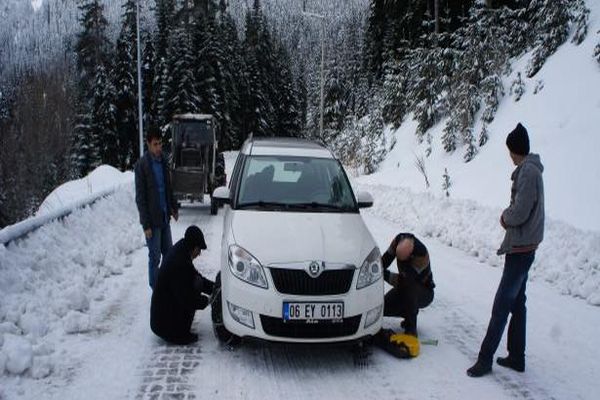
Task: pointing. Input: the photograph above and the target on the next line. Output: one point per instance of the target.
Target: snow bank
(102, 179)
(50, 279)
(568, 258)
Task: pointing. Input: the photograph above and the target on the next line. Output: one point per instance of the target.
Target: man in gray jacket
(523, 221)
(155, 201)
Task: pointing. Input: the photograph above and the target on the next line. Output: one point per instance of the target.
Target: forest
(68, 76)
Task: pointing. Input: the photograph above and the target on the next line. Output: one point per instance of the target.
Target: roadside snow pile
(102, 179)
(51, 279)
(568, 258)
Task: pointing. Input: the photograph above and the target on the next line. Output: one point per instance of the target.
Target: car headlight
(371, 270)
(245, 267)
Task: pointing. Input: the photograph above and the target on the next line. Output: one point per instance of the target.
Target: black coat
(146, 193)
(175, 298)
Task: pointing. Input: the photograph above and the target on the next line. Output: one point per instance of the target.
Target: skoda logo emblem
(314, 269)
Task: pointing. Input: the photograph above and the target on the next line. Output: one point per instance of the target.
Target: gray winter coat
(146, 194)
(524, 218)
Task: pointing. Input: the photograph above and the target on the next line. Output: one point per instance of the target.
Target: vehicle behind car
(196, 166)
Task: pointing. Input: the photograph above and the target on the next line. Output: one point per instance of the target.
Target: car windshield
(295, 184)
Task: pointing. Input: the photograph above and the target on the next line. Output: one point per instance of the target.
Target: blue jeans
(510, 298)
(158, 244)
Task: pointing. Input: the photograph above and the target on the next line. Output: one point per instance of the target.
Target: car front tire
(221, 333)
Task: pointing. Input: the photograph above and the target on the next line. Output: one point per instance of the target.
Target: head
(194, 238)
(154, 141)
(517, 142)
(404, 249)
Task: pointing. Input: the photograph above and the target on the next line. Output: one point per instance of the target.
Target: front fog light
(373, 316)
(241, 315)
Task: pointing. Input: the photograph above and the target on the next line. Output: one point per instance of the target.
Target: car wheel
(221, 333)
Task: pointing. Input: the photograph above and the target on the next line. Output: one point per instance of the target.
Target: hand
(386, 275)
(175, 215)
(148, 233)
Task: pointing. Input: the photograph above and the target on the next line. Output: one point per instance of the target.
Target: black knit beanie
(194, 237)
(518, 140)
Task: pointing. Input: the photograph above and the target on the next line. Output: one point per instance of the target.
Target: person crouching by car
(412, 286)
(178, 290)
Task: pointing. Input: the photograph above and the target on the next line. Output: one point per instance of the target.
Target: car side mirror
(365, 200)
(222, 194)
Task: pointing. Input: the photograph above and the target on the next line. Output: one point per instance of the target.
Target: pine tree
(106, 139)
(580, 16)
(233, 83)
(517, 88)
(446, 182)
(165, 22)
(149, 94)
(493, 91)
(551, 19)
(91, 51)
(261, 75)
(286, 101)
(483, 135)
(183, 97)
(126, 88)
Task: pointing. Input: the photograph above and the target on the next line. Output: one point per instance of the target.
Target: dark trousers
(510, 298)
(158, 244)
(405, 300)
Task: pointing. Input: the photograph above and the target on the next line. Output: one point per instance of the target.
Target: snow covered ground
(74, 318)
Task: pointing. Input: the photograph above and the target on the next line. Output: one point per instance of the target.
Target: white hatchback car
(298, 263)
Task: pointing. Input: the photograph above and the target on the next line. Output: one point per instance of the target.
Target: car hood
(289, 237)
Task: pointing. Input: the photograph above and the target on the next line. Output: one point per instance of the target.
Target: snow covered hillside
(561, 110)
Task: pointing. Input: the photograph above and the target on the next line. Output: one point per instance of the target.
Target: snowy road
(122, 359)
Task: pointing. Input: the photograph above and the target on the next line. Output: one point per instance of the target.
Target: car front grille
(301, 330)
(292, 281)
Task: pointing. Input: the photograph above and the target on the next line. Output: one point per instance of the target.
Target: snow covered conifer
(104, 133)
(483, 135)
(181, 82)
(91, 50)
(126, 87)
(517, 89)
(580, 16)
(446, 182)
(551, 21)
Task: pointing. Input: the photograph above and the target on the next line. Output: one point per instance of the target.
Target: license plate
(313, 311)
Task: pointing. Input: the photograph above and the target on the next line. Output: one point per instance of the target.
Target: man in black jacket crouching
(178, 290)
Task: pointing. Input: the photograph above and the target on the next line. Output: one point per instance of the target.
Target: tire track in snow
(167, 375)
(459, 331)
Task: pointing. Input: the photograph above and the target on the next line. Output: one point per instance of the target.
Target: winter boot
(512, 363)
(479, 369)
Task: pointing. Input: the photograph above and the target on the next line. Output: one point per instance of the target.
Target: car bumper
(262, 313)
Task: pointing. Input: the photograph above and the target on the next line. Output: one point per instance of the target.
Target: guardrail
(23, 228)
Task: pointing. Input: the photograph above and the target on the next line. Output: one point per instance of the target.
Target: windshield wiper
(314, 204)
(263, 204)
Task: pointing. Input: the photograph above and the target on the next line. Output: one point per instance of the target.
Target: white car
(298, 263)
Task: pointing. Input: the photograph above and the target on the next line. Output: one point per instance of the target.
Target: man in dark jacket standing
(178, 291)
(523, 221)
(412, 286)
(155, 201)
